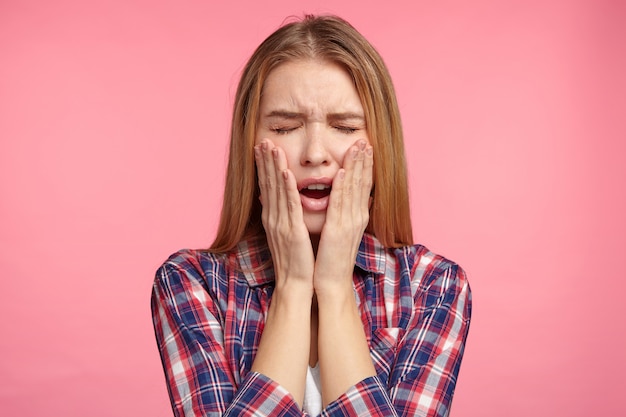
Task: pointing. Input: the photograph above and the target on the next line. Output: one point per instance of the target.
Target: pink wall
(113, 130)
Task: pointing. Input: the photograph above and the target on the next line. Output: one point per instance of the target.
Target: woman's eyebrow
(346, 116)
(340, 116)
(284, 114)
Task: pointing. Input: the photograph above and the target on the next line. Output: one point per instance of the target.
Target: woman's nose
(314, 151)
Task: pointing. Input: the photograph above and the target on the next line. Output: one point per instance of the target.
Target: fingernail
(264, 145)
(362, 145)
(370, 151)
(285, 175)
(355, 153)
(275, 153)
(342, 174)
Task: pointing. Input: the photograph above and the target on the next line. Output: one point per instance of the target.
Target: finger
(260, 169)
(368, 178)
(280, 166)
(267, 183)
(294, 204)
(335, 200)
(353, 163)
(357, 178)
(270, 176)
(341, 190)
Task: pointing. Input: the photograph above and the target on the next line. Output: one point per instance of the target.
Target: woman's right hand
(283, 351)
(287, 235)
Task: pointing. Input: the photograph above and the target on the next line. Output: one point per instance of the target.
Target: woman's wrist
(293, 292)
(335, 294)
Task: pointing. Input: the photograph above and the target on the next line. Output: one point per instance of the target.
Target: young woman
(313, 299)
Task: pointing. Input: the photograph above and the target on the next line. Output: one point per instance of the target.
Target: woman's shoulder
(433, 279)
(245, 264)
(194, 265)
(435, 276)
(425, 267)
(194, 259)
(420, 256)
(410, 256)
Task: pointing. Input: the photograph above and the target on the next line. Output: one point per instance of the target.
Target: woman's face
(312, 111)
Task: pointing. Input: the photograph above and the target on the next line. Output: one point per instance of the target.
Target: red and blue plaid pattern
(209, 311)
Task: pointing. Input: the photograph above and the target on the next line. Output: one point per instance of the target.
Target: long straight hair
(330, 39)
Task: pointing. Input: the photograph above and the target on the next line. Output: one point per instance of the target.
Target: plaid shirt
(209, 311)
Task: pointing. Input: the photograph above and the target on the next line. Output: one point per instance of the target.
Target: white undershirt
(312, 391)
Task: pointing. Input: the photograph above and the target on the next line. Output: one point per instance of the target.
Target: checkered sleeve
(190, 339)
(428, 357)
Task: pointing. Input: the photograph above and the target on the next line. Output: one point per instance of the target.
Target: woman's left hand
(343, 351)
(347, 217)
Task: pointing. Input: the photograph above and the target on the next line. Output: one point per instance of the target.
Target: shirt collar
(255, 260)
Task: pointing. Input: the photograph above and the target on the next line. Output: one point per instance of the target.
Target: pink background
(113, 126)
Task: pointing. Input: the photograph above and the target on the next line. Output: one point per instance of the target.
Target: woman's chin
(315, 222)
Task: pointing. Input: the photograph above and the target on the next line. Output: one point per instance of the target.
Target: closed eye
(283, 130)
(346, 129)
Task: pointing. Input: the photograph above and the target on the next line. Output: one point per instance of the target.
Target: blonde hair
(332, 39)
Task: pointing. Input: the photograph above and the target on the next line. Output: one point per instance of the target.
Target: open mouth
(316, 191)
